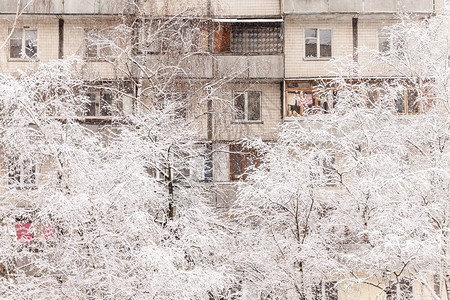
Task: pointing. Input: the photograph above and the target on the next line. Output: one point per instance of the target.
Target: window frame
(236, 94)
(23, 56)
(310, 89)
(18, 173)
(245, 155)
(322, 291)
(404, 94)
(392, 46)
(97, 33)
(161, 31)
(164, 100)
(98, 105)
(319, 56)
(396, 290)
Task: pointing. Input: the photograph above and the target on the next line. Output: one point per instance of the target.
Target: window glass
(325, 43)
(331, 291)
(400, 103)
(30, 43)
(15, 48)
(239, 106)
(413, 106)
(304, 85)
(254, 106)
(91, 107)
(21, 173)
(293, 103)
(316, 291)
(308, 101)
(371, 97)
(311, 47)
(106, 104)
(237, 160)
(23, 44)
(383, 42)
(323, 103)
(311, 33)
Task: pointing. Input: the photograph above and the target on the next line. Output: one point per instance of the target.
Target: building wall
(237, 8)
(74, 45)
(368, 29)
(227, 129)
(359, 6)
(64, 6)
(296, 65)
(47, 49)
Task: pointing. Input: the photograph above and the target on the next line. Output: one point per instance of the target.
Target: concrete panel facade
(225, 128)
(296, 65)
(64, 6)
(250, 8)
(358, 6)
(257, 66)
(47, 42)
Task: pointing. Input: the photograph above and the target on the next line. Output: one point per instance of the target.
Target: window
(173, 104)
(383, 42)
(437, 285)
(303, 98)
(21, 174)
(24, 232)
(404, 100)
(259, 38)
(317, 43)
(23, 44)
(98, 44)
(242, 160)
(100, 104)
(27, 231)
(323, 171)
(247, 106)
(401, 290)
(325, 290)
(389, 44)
(173, 37)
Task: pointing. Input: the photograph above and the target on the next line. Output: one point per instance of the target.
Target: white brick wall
(47, 33)
(226, 129)
(246, 8)
(295, 63)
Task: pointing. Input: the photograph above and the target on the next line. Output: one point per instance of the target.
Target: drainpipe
(355, 38)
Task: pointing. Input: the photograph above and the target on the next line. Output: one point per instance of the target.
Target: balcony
(251, 66)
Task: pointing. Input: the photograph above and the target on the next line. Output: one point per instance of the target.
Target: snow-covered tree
(113, 209)
(358, 195)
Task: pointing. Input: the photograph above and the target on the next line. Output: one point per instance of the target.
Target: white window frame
(23, 56)
(245, 119)
(22, 174)
(319, 56)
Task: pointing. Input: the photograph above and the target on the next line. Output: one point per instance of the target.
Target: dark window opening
(258, 38)
(242, 161)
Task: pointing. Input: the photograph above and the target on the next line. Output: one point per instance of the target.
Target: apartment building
(265, 56)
